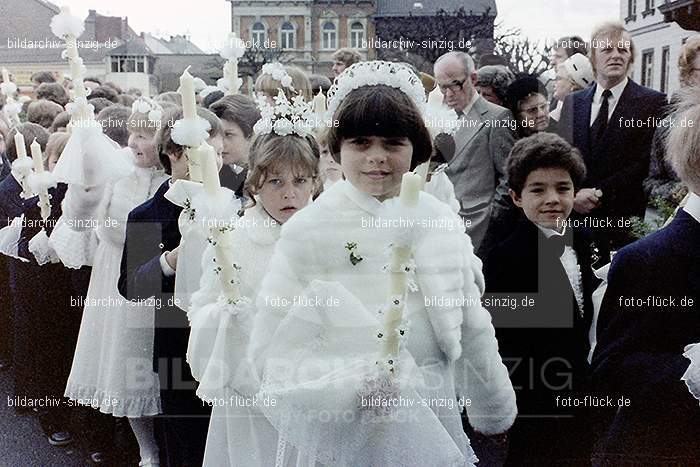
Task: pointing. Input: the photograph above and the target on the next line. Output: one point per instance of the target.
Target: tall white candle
(20, 148)
(37, 156)
(5, 75)
(320, 103)
(227, 274)
(398, 279)
(189, 104)
(210, 170)
(422, 171)
(44, 200)
(410, 189)
(194, 163)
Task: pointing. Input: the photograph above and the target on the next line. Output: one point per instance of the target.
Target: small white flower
(286, 81)
(155, 115)
(283, 127)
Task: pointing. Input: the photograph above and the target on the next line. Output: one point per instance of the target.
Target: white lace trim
(147, 403)
(573, 272)
(74, 248)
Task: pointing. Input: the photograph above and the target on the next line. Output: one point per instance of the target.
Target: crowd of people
(261, 322)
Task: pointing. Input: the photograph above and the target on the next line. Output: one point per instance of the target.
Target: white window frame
(288, 36)
(329, 39)
(648, 68)
(254, 33)
(356, 36)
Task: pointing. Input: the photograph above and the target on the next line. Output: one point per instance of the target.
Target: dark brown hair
(380, 111)
(30, 131)
(53, 92)
(114, 120)
(43, 112)
(540, 151)
(61, 121)
(238, 109)
(167, 146)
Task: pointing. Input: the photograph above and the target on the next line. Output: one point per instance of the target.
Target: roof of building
(432, 7)
(27, 38)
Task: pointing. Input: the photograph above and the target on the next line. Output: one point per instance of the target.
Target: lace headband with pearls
(373, 73)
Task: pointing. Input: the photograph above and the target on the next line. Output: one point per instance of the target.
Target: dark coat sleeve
(141, 276)
(624, 362)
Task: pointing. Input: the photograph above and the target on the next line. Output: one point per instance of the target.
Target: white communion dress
(112, 365)
(239, 434)
(316, 338)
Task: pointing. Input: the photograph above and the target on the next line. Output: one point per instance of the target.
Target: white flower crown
(278, 73)
(146, 105)
(373, 73)
(284, 117)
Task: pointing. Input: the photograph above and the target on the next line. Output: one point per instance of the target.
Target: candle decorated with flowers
(226, 269)
(43, 192)
(400, 265)
(69, 28)
(232, 51)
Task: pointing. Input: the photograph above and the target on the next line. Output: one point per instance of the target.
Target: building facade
(658, 40)
(307, 32)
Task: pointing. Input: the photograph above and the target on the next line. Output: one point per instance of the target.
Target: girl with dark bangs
(315, 333)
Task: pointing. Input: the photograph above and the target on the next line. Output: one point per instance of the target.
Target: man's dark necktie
(601, 121)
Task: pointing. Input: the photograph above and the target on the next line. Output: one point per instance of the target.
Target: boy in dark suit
(148, 268)
(539, 283)
(650, 312)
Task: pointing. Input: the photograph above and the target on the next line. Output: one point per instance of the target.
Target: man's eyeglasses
(453, 86)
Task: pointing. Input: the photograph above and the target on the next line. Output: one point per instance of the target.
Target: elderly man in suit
(650, 312)
(482, 143)
(612, 123)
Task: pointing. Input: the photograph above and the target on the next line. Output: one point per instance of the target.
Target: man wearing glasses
(482, 143)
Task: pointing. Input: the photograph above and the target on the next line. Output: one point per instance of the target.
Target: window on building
(648, 68)
(258, 33)
(128, 64)
(665, 68)
(287, 36)
(649, 4)
(631, 7)
(329, 36)
(357, 35)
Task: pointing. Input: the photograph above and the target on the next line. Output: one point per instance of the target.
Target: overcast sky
(208, 21)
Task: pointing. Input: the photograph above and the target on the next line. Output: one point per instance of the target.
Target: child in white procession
(112, 363)
(281, 179)
(314, 331)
